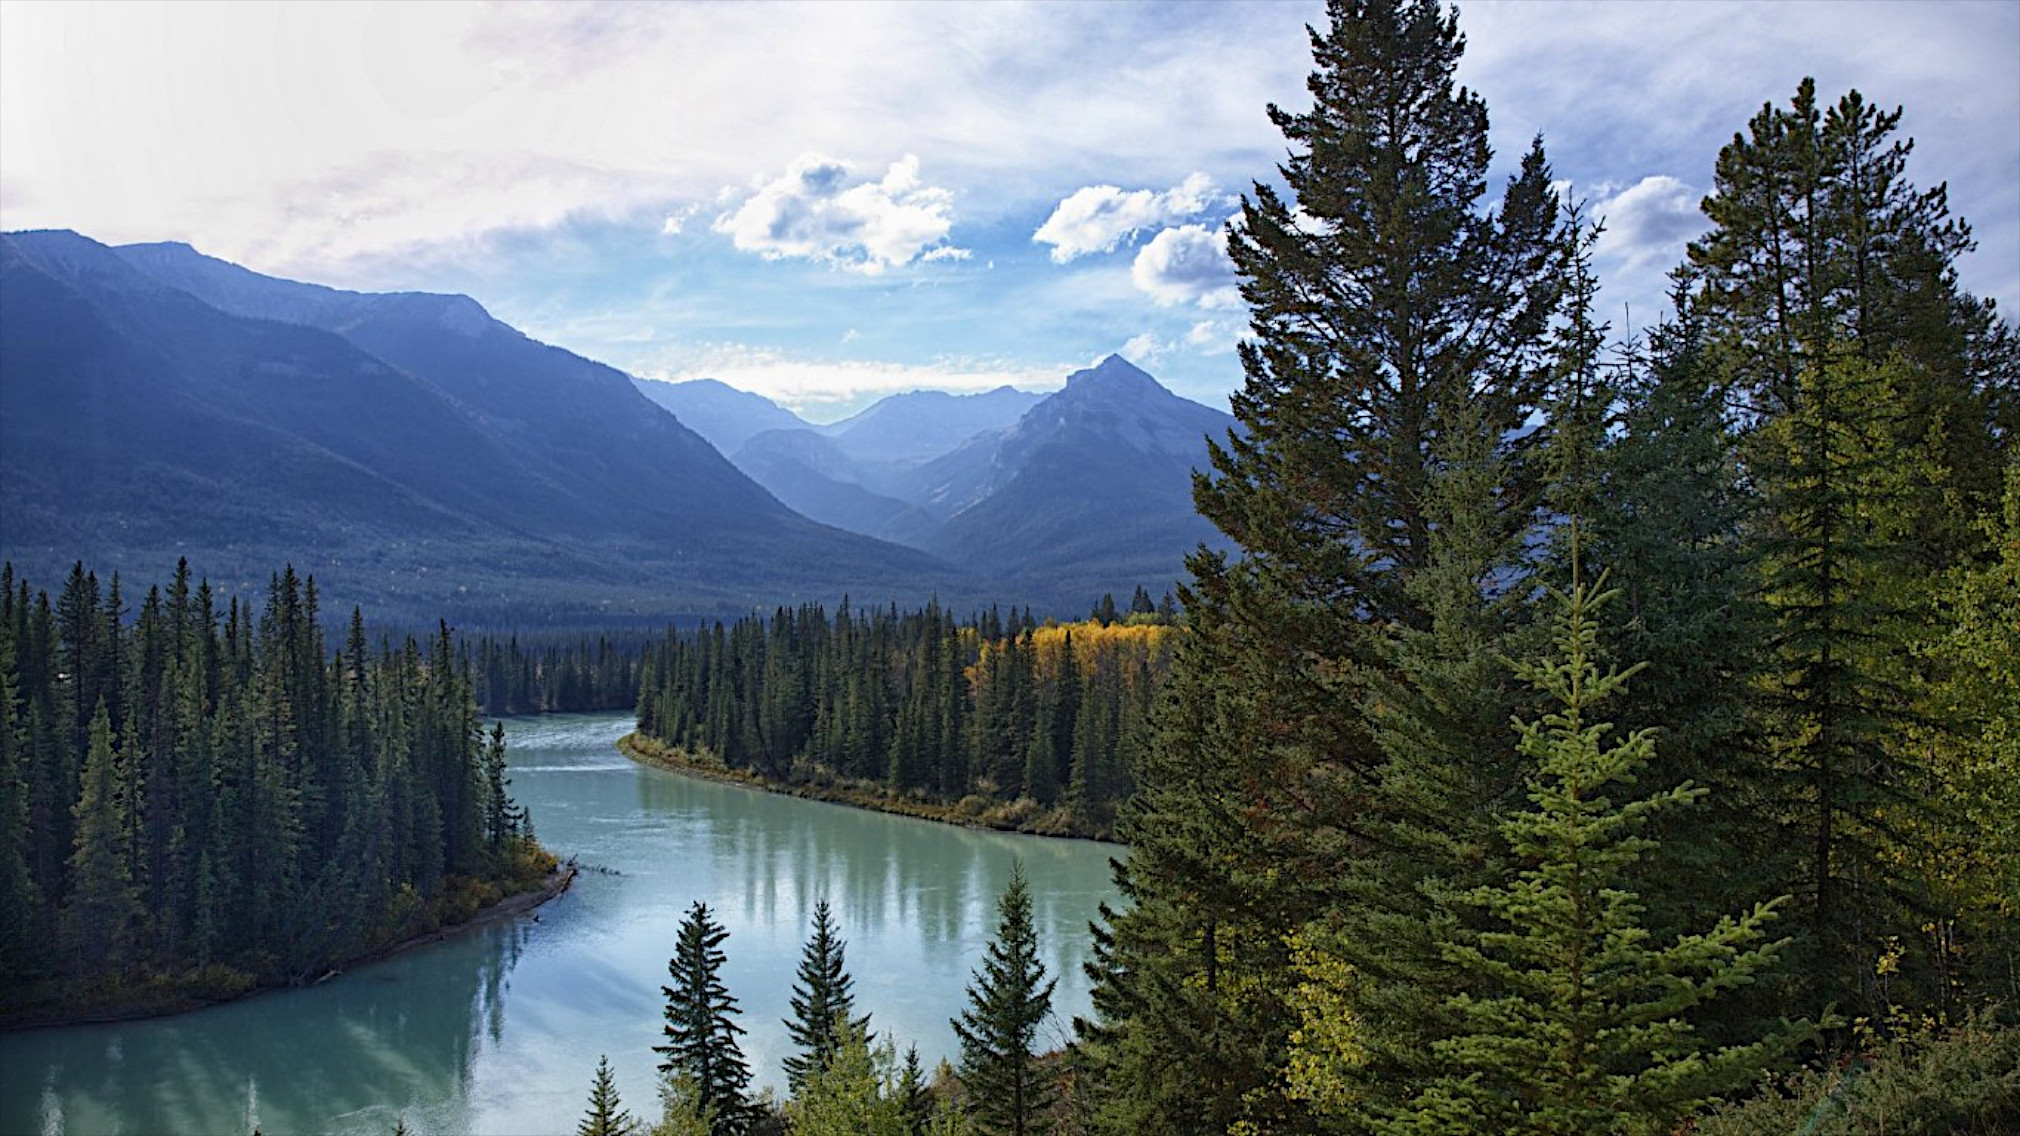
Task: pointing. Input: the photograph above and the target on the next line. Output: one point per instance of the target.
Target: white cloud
(815, 212)
(678, 219)
(1654, 217)
(1098, 217)
(1144, 348)
(1187, 265)
(1647, 226)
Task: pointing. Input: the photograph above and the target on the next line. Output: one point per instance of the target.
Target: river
(498, 1029)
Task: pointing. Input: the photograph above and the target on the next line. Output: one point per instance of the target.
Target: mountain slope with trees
(408, 449)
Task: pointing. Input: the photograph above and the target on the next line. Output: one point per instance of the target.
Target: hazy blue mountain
(810, 473)
(412, 452)
(1090, 490)
(726, 416)
(918, 426)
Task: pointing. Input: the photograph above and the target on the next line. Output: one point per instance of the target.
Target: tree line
(1047, 718)
(1393, 868)
(551, 674)
(842, 1080)
(194, 801)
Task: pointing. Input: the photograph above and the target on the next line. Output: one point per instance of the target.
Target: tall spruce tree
(1401, 329)
(1572, 1017)
(823, 1001)
(701, 1028)
(1871, 387)
(1008, 1092)
(102, 917)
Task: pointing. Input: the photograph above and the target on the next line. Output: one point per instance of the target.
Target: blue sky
(829, 202)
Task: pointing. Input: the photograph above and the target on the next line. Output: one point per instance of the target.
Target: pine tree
(1007, 1000)
(823, 1001)
(607, 1115)
(1573, 1019)
(856, 1092)
(1396, 323)
(101, 920)
(701, 1029)
(1872, 387)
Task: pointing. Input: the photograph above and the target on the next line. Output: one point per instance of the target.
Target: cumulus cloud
(1187, 265)
(817, 211)
(1207, 337)
(1653, 218)
(1098, 217)
(1144, 348)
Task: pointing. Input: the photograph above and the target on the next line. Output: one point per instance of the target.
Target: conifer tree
(823, 1001)
(1573, 1018)
(701, 1028)
(19, 899)
(1008, 998)
(101, 919)
(1401, 328)
(855, 1093)
(607, 1115)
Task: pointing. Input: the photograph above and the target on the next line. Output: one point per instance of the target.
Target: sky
(829, 202)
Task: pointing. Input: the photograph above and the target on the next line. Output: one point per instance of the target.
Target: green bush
(1958, 1082)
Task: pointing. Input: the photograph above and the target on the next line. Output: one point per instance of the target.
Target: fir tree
(607, 1115)
(102, 917)
(1007, 1000)
(823, 1001)
(701, 1028)
(1573, 1019)
(1396, 322)
(856, 1092)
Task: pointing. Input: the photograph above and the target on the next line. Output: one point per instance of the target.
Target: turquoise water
(498, 1029)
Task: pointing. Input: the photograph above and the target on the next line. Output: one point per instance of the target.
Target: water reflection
(341, 1057)
(499, 1030)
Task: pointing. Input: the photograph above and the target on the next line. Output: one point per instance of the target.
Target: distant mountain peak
(1115, 372)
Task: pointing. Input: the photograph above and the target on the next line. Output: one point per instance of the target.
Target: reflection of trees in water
(342, 1057)
(882, 873)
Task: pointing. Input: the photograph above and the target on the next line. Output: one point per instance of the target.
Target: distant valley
(1081, 491)
(426, 460)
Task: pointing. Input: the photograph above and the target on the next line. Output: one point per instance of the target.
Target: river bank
(1024, 816)
(158, 996)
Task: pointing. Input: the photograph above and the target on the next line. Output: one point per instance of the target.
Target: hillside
(410, 451)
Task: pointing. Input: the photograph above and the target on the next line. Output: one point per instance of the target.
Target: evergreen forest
(1590, 723)
(196, 801)
(1005, 721)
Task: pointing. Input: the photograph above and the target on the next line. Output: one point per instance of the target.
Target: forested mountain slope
(411, 451)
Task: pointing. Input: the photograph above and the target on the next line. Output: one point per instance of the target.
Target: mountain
(726, 416)
(921, 425)
(413, 453)
(810, 473)
(1090, 491)
(846, 473)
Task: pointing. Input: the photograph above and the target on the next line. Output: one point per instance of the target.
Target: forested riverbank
(200, 803)
(1004, 723)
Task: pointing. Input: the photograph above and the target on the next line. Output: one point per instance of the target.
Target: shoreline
(646, 751)
(169, 1003)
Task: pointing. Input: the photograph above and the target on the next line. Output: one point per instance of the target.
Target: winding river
(498, 1029)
